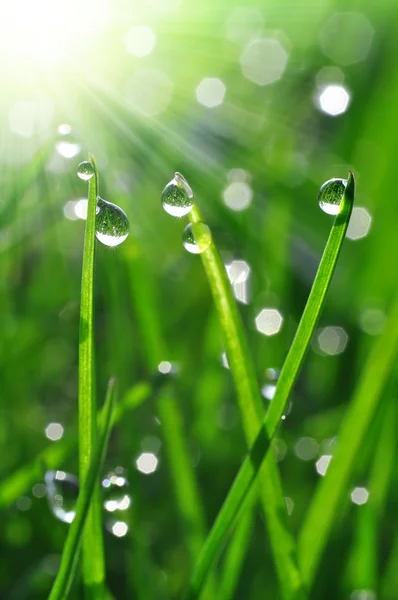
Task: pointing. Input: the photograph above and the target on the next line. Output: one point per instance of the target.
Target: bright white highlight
(269, 321)
(47, 32)
(147, 463)
(334, 100)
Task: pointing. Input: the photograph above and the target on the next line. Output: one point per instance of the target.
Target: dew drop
(62, 491)
(196, 237)
(331, 194)
(85, 170)
(177, 197)
(115, 486)
(111, 223)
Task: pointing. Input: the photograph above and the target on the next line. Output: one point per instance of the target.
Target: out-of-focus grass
(286, 146)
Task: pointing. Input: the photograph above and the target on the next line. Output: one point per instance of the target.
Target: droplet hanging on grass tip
(111, 223)
(85, 170)
(196, 237)
(62, 492)
(177, 197)
(331, 194)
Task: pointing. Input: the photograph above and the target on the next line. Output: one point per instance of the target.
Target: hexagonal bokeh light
(140, 41)
(147, 463)
(269, 321)
(263, 61)
(238, 272)
(359, 224)
(332, 340)
(238, 195)
(54, 431)
(346, 38)
(333, 100)
(359, 495)
(210, 92)
(322, 464)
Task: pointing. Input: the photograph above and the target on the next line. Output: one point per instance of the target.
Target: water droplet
(111, 224)
(330, 195)
(85, 170)
(115, 486)
(62, 492)
(177, 197)
(196, 237)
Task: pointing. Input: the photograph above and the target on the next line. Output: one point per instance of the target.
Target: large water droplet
(62, 492)
(85, 170)
(331, 194)
(115, 487)
(196, 237)
(111, 223)
(177, 197)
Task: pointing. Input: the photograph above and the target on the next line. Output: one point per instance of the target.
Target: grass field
(226, 439)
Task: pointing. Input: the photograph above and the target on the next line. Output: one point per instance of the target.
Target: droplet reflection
(177, 197)
(62, 491)
(196, 237)
(331, 194)
(111, 224)
(85, 170)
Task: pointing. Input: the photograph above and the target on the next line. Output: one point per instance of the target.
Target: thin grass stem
(93, 548)
(71, 551)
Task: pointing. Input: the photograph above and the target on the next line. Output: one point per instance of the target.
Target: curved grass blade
(325, 504)
(71, 549)
(249, 470)
(93, 547)
(251, 408)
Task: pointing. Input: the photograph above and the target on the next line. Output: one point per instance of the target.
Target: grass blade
(363, 564)
(251, 408)
(93, 548)
(70, 553)
(236, 552)
(325, 504)
(250, 468)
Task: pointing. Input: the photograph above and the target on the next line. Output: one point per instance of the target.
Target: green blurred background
(257, 104)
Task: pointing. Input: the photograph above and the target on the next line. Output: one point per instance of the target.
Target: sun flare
(48, 31)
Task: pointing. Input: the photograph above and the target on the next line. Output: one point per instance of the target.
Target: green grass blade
(93, 547)
(72, 545)
(325, 504)
(363, 565)
(251, 408)
(250, 468)
(236, 552)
